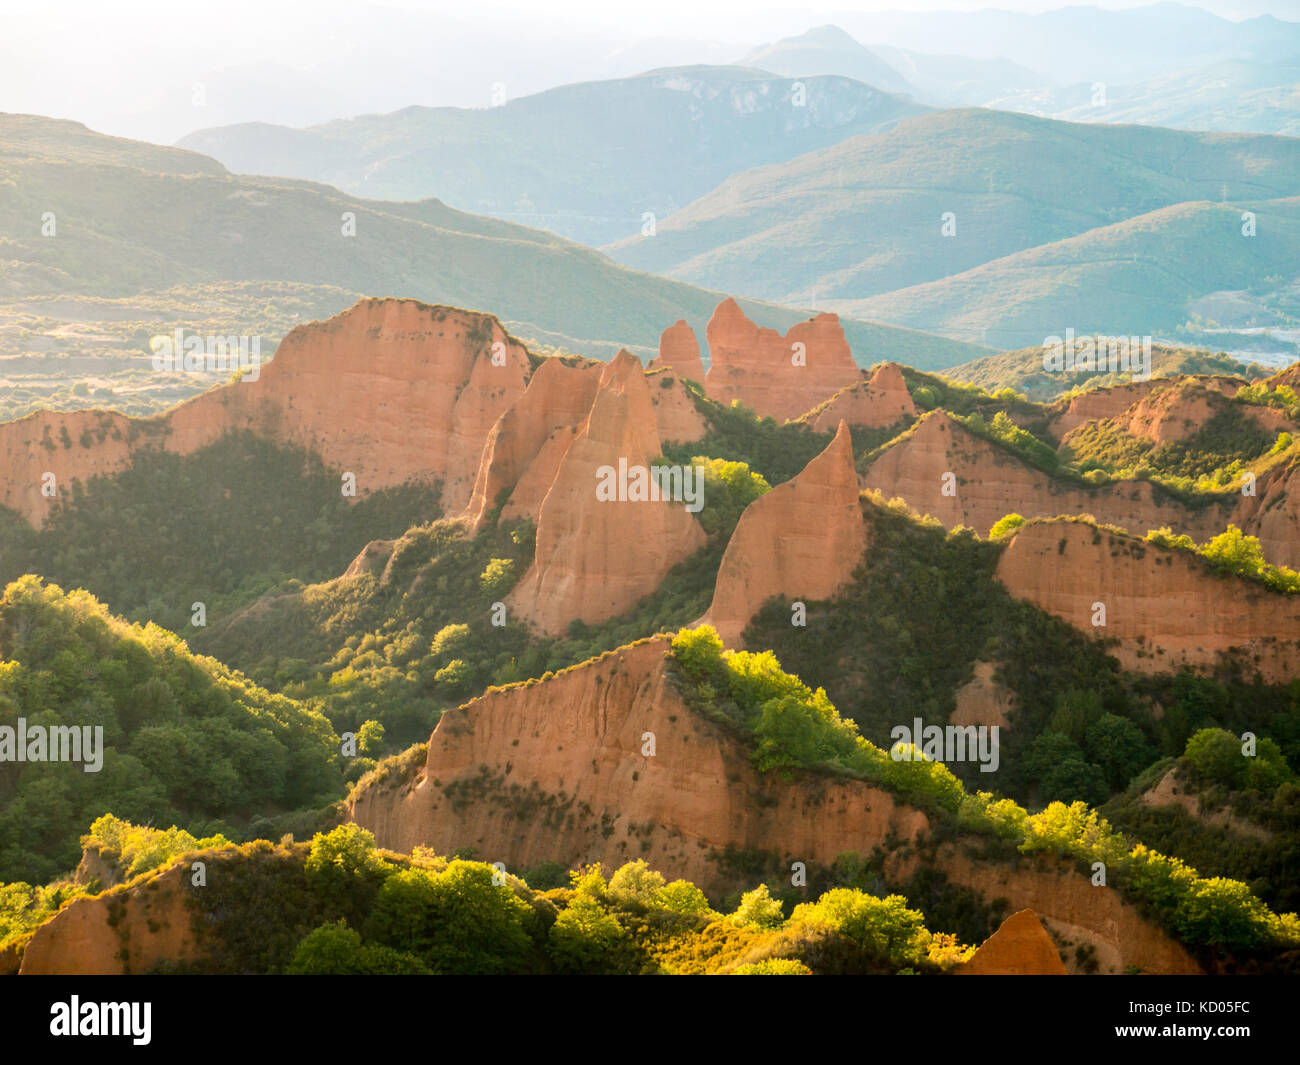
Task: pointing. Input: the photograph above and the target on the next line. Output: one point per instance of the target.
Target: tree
(586, 940)
(336, 949)
(456, 921)
(1006, 525)
(1213, 755)
(758, 909)
(1117, 745)
(681, 896)
(886, 929)
(636, 882)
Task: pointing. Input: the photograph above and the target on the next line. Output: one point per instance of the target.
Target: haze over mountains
(165, 238)
(670, 536)
(586, 161)
(825, 172)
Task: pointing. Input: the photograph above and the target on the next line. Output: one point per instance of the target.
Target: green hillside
(585, 161)
(1022, 371)
(184, 738)
(1137, 277)
(864, 217)
(1238, 96)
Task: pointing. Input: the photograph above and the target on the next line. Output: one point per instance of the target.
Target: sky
(135, 67)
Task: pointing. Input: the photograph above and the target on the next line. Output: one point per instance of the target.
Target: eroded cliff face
(679, 351)
(990, 482)
(557, 399)
(596, 558)
(877, 403)
(390, 390)
(1068, 904)
(126, 931)
(555, 770)
(563, 769)
(677, 418)
(1165, 608)
(1273, 514)
(777, 376)
(802, 540)
(1020, 947)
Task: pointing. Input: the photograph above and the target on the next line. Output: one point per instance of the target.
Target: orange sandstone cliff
(801, 540)
(1020, 947)
(778, 376)
(391, 390)
(605, 762)
(1165, 608)
(596, 558)
(679, 351)
(990, 482)
(877, 403)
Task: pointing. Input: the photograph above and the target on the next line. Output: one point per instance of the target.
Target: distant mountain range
(142, 239)
(587, 161)
(862, 225)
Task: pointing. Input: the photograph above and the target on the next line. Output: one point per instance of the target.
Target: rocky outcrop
(802, 540)
(677, 418)
(594, 558)
(1178, 409)
(877, 403)
(127, 930)
(679, 351)
(1069, 906)
(1170, 792)
(605, 762)
(1020, 947)
(390, 390)
(557, 399)
(988, 482)
(777, 376)
(982, 700)
(1273, 514)
(557, 770)
(1165, 608)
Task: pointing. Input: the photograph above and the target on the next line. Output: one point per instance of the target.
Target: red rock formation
(991, 482)
(390, 390)
(676, 416)
(558, 397)
(1020, 947)
(596, 559)
(757, 366)
(558, 770)
(1100, 404)
(580, 740)
(878, 403)
(982, 700)
(679, 351)
(88, 938)
(1165, 608)
(801, 540)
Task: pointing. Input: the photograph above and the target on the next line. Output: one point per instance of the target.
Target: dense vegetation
(791, 726)
(923, 608)
(185, 740)
(220, 527)
(342, 906)
(1243, 820)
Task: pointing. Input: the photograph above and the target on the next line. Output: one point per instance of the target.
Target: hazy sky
(133, 67)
